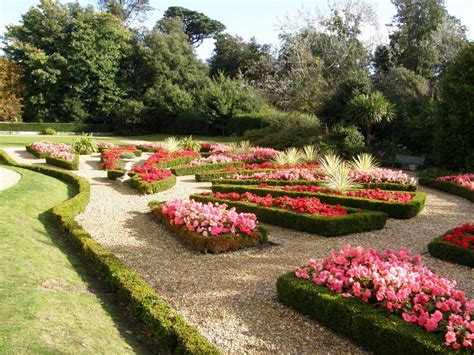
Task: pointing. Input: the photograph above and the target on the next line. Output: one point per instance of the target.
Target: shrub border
(152, 187)
(441, 249)
(447, 186)
(68, 165)
(382, 186)
(191, 170)
(393, 209)
(168, 328)
(369, 326)
(211, 176)
(211, 244)
(356, 221)
(174, 162)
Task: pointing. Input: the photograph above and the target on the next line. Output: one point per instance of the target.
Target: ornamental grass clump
(339, 179)
(329, 164)
(364, 162)
(400, 284)
(172, 144)
(310, 154)
(84, 145)
(189, 143)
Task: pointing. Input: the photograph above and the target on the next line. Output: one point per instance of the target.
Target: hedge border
(174, 162)
(33, 151)
(392, 209)
(212, 244)
(65, 164)
(57, 126)
(152, 187)
(356, 221)
(115, 174)
(370, 326)
(168, 328)
(191, 170)
(211, 176)
(447, 186)
(382, 186)
(440, 249)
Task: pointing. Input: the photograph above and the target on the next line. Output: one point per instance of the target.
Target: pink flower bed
(258, 153)
(465, 180)
(209, 219)
(216, 148)
(212, 159)
(105, 145)
(380, 175)
(57, 150)
(289, 174)
(399, 283)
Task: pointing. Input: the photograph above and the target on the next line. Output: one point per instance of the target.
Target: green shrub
(285, 138)
(152, 187)
(216, 175)
(355, 221)
(84, 145)
(65, 164)
(115, 174)
(191, 170)
(367, 325)
(127, 155)
(447, 186)
(392, 209)
(59, 127)
(169, 330)
(49, 131)
(451, 252)
(347, 141)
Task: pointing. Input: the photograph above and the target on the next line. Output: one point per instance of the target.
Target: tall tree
(127, 10)
(11, 91)
(196, 25)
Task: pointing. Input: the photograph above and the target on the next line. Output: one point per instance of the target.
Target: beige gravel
(8, 178)
(231, 298)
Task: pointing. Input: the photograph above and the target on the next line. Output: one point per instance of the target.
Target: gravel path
(231, 297)
(8, 178)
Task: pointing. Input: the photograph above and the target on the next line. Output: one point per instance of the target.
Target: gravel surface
(8, 178)
(231, 298)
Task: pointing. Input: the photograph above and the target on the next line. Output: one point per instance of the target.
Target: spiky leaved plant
(190, 143)
(245, 147)
(293, 156)
(172, 144)
(280, 159)
(84, 145)
(329, 164)
(340, 180)
(310, 153)
(364, 162)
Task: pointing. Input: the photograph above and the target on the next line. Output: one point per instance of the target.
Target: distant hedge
(59, 127)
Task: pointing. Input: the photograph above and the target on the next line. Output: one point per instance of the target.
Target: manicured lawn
(161, 137)
(19, 141)
(47, 305)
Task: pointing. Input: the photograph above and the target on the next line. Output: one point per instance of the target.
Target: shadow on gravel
(24, 154)
(122, 188)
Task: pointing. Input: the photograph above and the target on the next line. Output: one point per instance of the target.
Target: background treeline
(322, 85)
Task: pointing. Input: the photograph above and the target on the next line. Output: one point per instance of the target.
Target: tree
(126, 10)
(196, 25)
(70, 58)
(454, 136)
(369, 110)
(11, 91)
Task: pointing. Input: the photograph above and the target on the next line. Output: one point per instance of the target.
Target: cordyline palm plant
(172, 144)
(309, 154)
(364, 162)
(371, 109)
(293, 156)
(340, 180)
(329, 164)
(280, 159)
(242, 147)
(190, 143)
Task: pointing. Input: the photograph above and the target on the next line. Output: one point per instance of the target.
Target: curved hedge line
(355, 221)
(211, 176)
(451, 252)
(447, 186)
(174, 162)
(152, 187)
(68, 165)
(169, 329)
(213, 244)
(191, 170)
(383, 186)
(367, 325)
(392, 209)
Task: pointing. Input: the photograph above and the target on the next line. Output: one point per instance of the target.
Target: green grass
(162, 137)
(48, 304)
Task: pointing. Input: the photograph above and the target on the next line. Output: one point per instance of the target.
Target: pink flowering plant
(399, 283)
(381, 175)
(257, 154)
(464, 180)
(57, 150)
(212, 159)
(287, 174)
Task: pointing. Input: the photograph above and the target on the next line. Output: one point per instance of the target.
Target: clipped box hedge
(37, 154)
(392, 209)
(152, 187)
(191, 170)
(115, 174)
(448, 186)
(58, 127)
(65, 164)
(354, 222)
(212, 244)
(367, 325)
(451, 252)
(215, 175)
(383, 186)
(174, 162)
(169, 329)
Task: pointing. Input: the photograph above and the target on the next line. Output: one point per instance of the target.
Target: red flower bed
(462, 236)
(162, 155)
(370, 194)
(110, 158)
(309, 205)
(154, 174)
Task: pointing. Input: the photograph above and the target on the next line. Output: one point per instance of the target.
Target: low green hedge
(170, 330)
(212, 244)
(152, 187)
(191, 170)
(137, 152)
(174, 162)
(392, 209)
(65, 164)
(451, 252)
(383, 186)
(368, 325)
(115, 174)
(59, 127)
(354, 222)
(216, 175)
(447, 186)
(37, 154)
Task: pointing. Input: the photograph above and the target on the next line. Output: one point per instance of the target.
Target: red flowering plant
(399, 283)
(462, 236)
(308, 205)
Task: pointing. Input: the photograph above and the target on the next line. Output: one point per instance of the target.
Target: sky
(251, 18)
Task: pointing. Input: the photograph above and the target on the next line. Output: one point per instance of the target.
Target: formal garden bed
(58, 154)
(456, 245)
(460, 185)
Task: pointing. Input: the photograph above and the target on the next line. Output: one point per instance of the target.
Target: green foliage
(84, 145)
(364, 323)
(48, 131)
(59, 127)
(70, 59)
(129, 117)
(451, 252)
(355, 221)
(127, 155)
(190, 143)
(152, 187)
(347, 141)
(364, 162)
(191, 170)
(126, 10)
(11, 91)
(447, 186)
(65, 164)
(454, 143)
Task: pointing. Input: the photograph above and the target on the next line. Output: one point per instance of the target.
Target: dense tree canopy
(126, 10)
(11, 91)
